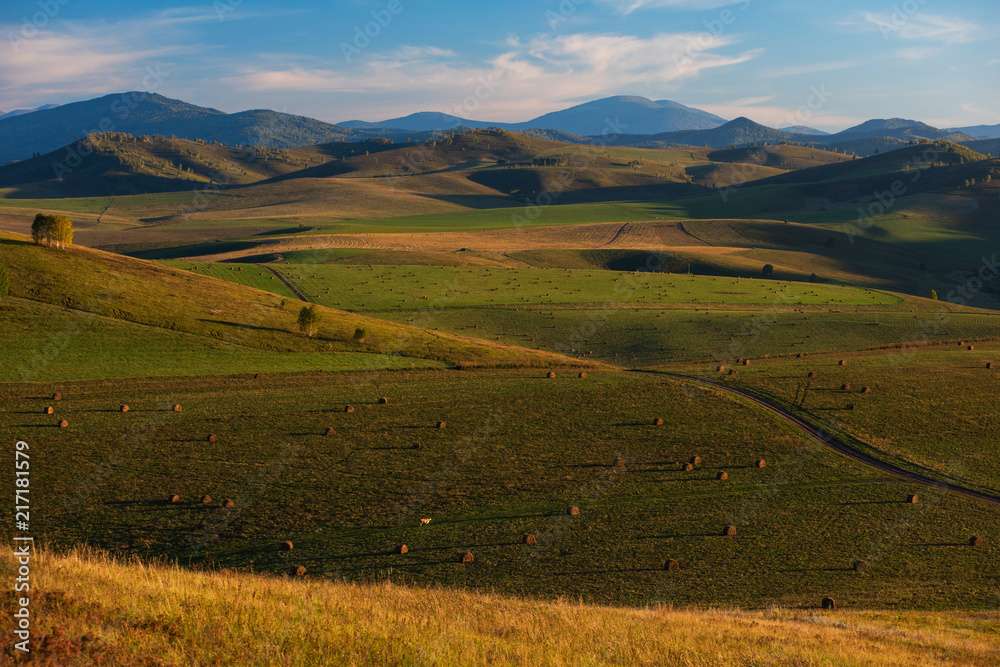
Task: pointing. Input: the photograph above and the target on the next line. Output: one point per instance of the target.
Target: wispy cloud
(809, 68)
(629, 6)
(918, 26)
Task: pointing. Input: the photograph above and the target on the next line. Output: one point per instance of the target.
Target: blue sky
(930, 60)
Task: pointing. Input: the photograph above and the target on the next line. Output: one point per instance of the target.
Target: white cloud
(920, 26)
(629, 6)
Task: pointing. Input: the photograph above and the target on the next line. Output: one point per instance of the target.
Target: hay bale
(989, 365)
(695, 460)
(688, 467)
(206, 500)
(57, 396)
(829, 603)
(619, 462)
(671, 565)
(417, 445)
(123, 408)
(722, 476)
(467, 557)
(48, 410)
(550, 374)
(845, 387)
(975, 541)
(212, 437)
(912, 498)
(402, 549)
(720, 369)
(63, 423)
(733, 372)
(799, 355)
(258, 376)
(746, 362)
(971, 347)
(850, 406)
(866, 390)
(860, 565)
(442, 424)
(583, 376)
(529, 539)
(286, 545)
(177, 408)
(729, 531)
(843, 362)
(173, 498)
(228, 503)
(349, 408)
(383, 401)
(573, 510)
(299, 571)
(658, 422)
(761, 463)
(329, 431)
(811, 374)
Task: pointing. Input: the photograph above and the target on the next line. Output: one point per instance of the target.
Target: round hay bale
(286, 545)
(695, 460)
(417, 445)
(843, 362)
(177, 408)
(383, 401)
(123, 408)
(550, 374)
(845, 387)
(205, 500)
(573, 511)
(467, 557)
(583, 376)
(349, 408)
(733, 372)
(746, 362)
(720, 369)
(688, 467)
(989, 365)
(329, 431)
(829, 603)
(799, 355)
(529, 539)
(866, 390)
(975, 541)
(48, 410)
(619, 462)
(173, 498)
(57, 396)
(761, 463)
(258, 376)
(811, 374)
(658, 422)
(63, 423)
(212, 437)
(442, 424)
(912, 498)
(299, 571)
(402, 549)
(971, 347)
(860, 565)
(850, 406)
(722, 476)
(228, 503)
(961, 343)
(671, 565)
(729, 531)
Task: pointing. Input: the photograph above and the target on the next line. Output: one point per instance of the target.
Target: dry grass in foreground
(89, 609)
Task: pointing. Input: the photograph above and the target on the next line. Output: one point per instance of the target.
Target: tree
(4, 282)
(53, 229)
(40, 228)
(360, 334)
(768, 269)
(308, 319)
(813, 278)
(934, 295)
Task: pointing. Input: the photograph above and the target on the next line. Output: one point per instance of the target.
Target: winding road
(289, 285)
(832, 441)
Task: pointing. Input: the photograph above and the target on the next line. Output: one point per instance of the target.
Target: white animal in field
(425, 522)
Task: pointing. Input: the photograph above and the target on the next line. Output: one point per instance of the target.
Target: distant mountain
(622, 113)
(21, 112)
(139, 113)
(739, 132)
(803, 129)
(898, 128)
(979, 131)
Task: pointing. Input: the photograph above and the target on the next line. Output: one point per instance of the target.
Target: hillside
(236, 617)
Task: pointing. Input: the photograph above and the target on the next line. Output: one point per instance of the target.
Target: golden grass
(88, 607)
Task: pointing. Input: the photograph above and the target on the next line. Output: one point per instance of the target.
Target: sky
(829, 65)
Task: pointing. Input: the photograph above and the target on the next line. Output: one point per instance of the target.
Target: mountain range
(622, 120)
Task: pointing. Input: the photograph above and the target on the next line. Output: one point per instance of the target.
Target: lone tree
(4, 282)
(308, 319)
(934, 294)
(360, 334)
(53, 229)
(768, 269)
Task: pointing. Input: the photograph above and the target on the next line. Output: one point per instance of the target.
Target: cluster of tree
(54, 230)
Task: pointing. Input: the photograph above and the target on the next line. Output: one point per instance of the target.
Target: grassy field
(518, 449)
(156, 615)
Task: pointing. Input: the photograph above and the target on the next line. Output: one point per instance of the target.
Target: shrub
(360, 334)
(768, 270)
